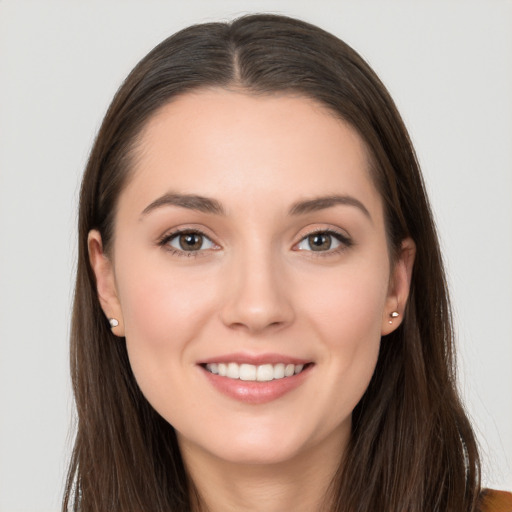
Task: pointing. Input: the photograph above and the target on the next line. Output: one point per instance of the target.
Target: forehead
(240, 147)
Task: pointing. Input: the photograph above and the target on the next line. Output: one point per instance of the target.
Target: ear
(105, 281)
(399, 286)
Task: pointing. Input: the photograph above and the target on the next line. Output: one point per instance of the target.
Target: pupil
(320, 242)
(191, 241)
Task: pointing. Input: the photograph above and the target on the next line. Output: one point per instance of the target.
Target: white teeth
(279, 371)
(289, 370)
(233, 371)
(247, 372)
(265, 372)
(250, 372)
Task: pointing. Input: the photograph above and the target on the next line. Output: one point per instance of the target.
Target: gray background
(447, 64)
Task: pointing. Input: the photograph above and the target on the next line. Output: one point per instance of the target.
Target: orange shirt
(495, 501)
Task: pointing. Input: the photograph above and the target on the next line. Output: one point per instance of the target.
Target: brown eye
(190, 241)
(324, 241)
(320, 241)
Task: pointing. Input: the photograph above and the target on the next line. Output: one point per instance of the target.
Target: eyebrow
(322, 203)
(190, 201)
(209, 205)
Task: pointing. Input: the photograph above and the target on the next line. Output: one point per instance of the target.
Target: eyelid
(341, 236)
(164, 240)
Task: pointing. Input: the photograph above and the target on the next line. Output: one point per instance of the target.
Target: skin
(257, 288)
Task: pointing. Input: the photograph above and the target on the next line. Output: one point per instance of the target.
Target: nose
(257, 296)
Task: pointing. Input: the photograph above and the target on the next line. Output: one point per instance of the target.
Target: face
(250, 274)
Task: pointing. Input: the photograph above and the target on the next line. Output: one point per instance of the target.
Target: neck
(301, 484)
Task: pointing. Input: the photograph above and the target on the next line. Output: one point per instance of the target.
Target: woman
(261, 319)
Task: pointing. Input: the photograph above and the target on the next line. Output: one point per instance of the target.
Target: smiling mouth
(255, 373)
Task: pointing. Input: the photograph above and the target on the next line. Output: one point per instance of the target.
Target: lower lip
(257, 392)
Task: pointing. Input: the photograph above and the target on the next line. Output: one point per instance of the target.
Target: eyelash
(344, 240)
(164, 242)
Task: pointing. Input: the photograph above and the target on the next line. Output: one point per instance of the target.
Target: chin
(249, 447)
(270, 443)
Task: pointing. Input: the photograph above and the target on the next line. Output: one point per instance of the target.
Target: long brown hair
(412, 447)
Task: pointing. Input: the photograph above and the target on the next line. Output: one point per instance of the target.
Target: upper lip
(254, 359)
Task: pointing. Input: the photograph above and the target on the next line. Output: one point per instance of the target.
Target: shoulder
(495, 501)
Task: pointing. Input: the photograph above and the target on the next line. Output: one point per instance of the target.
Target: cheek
(164, 311)
(349, 304)
(158, 298)
(347, 318)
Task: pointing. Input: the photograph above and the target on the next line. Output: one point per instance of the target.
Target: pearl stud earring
(393, 314)
(113, 322)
